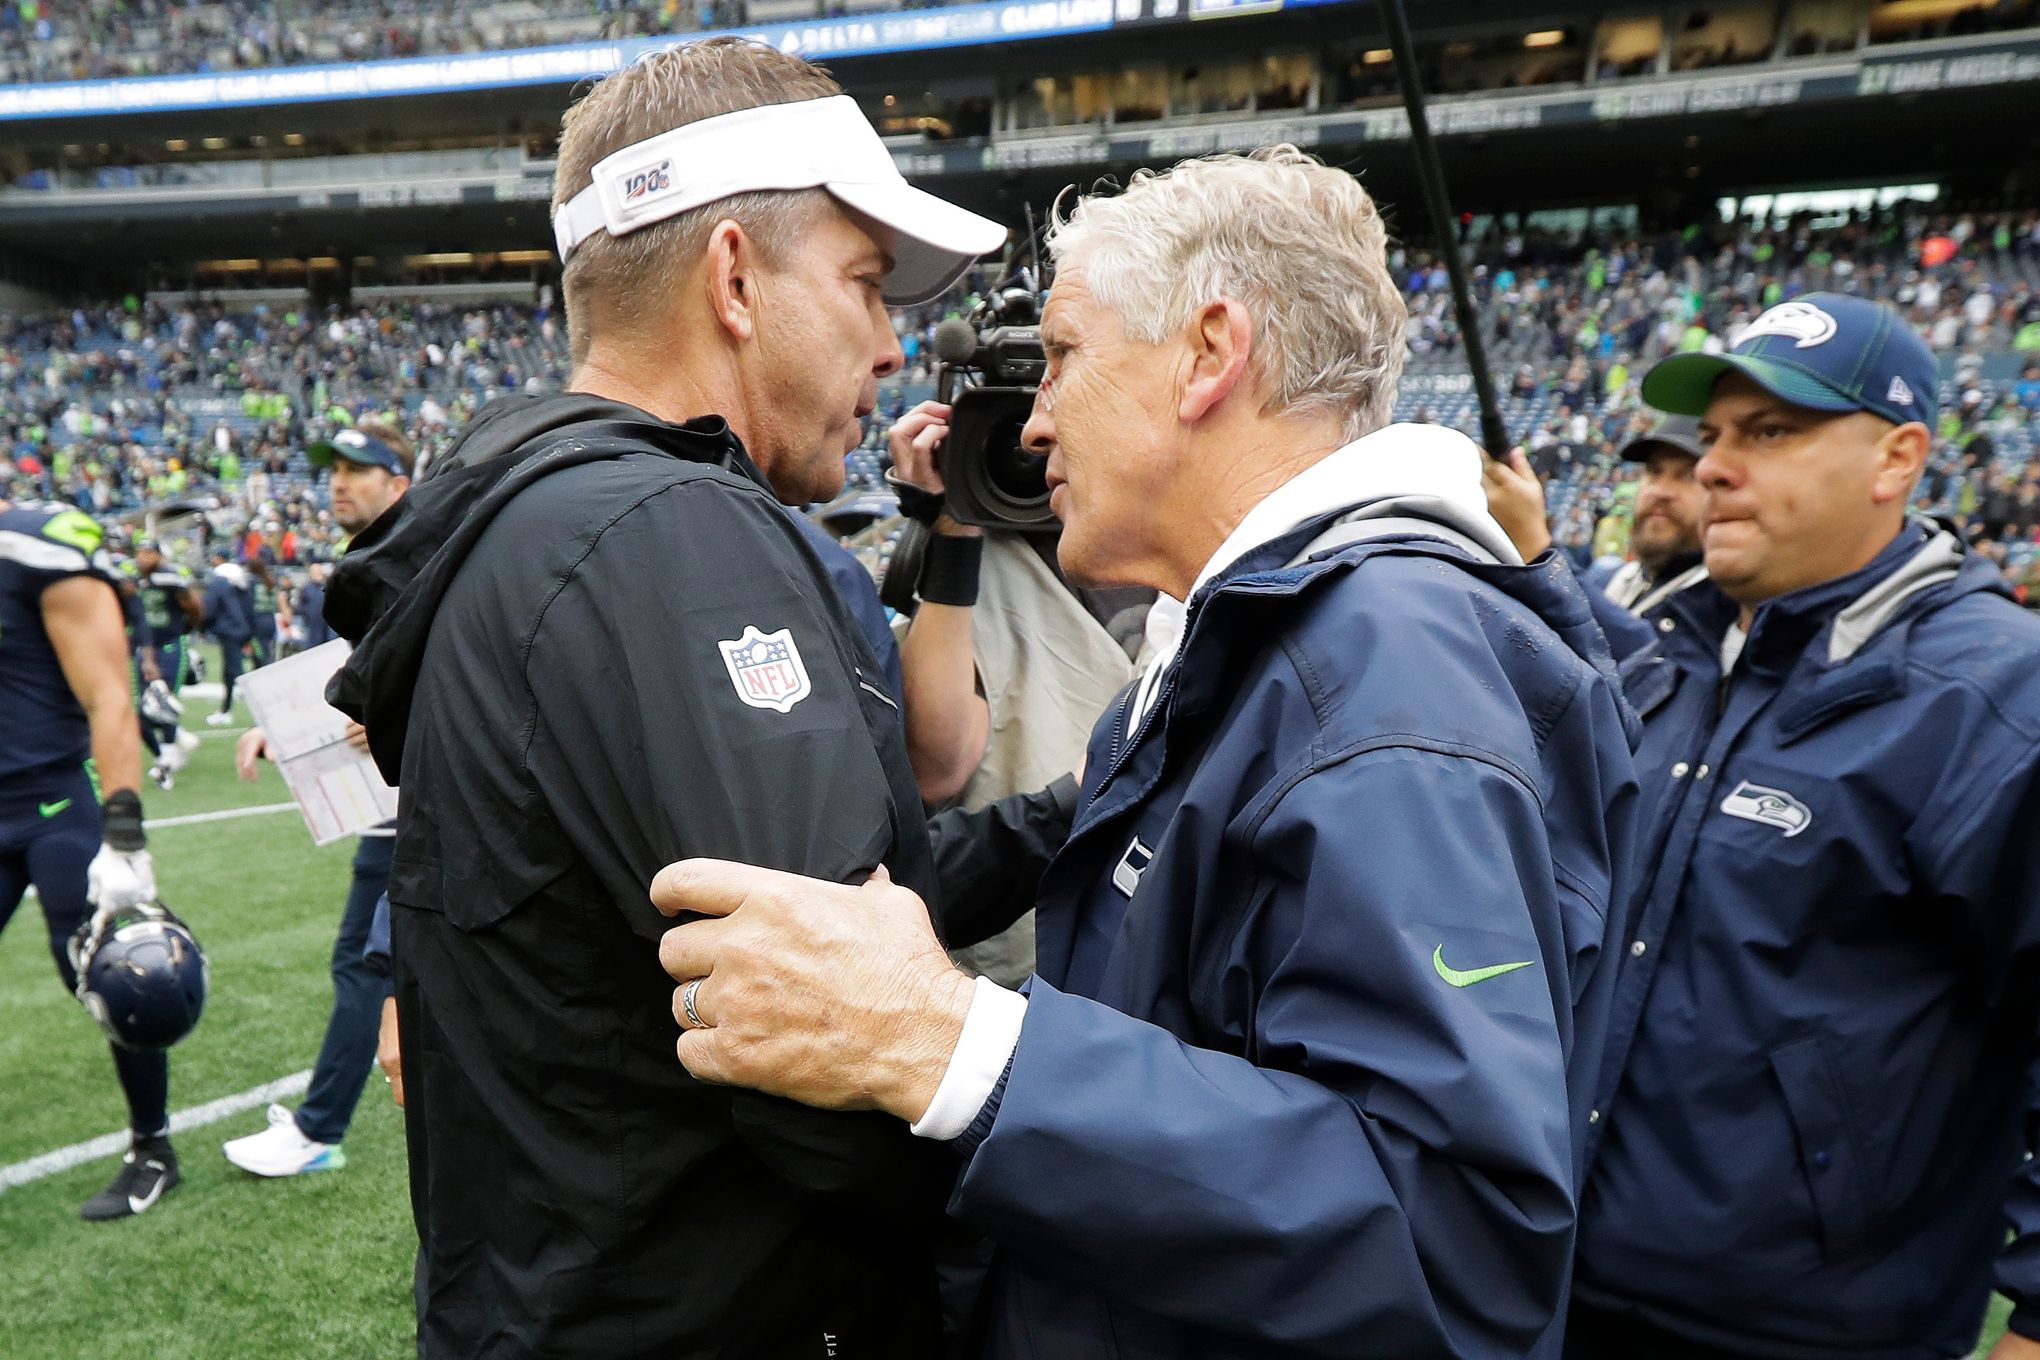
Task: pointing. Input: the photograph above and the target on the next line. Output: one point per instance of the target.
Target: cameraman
(1006, 666)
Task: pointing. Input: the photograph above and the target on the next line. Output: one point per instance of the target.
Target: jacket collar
(1410, 471)
(1781, 628)
(1242, 604)
(1430, 465)
(1923, 565)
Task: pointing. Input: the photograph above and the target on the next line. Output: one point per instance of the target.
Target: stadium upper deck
(114, 38)
(274, 175)
(337, 175)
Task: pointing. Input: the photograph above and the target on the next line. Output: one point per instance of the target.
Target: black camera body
(989, 369)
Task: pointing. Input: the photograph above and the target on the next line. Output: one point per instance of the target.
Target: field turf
(227, 1267)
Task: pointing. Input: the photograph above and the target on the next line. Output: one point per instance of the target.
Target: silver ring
(687, 994)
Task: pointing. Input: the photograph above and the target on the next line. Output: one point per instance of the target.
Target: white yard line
(110, 1144)
(193, 818)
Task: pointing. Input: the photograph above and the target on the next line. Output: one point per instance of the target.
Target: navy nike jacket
(229, 605)
(1322, 976)
(1814, 1106)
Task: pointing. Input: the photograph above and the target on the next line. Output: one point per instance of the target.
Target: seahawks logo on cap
(1801, 322)
(1771, 807)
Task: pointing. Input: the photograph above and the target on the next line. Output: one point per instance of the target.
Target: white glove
(117, 879)
(160, 706)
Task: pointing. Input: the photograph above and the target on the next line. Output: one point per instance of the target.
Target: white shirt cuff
(990, 1034)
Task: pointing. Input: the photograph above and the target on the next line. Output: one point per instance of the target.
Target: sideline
(226, 815)
(107, 1145)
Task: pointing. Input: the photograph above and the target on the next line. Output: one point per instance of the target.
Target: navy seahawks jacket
(230, 604)
(1321, 978)
(1814, 1106)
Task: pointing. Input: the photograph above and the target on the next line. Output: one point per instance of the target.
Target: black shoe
(146, 1172)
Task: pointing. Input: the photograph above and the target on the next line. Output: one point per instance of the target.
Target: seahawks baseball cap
(1677, 432)
(356, 447)
(1822, 351)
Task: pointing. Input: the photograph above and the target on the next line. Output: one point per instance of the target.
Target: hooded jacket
(1810, 1129)
(596, 644)
(1322, 973)
(1628, 604)
(229, 604)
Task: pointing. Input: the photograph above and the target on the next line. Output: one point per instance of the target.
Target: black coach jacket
(594, 645)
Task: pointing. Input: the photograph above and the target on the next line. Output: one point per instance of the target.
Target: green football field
(227, 1266)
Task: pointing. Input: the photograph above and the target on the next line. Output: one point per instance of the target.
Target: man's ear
(1901, 457)
(730, 276)
(1221, 337)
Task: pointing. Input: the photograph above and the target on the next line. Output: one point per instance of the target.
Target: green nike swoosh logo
(52, 809)
(1467, 977)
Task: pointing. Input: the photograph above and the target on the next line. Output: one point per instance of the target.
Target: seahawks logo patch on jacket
(1772, 807)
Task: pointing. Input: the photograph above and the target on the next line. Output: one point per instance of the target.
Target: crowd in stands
(133, 405)
(137, 404)
(1571, 321)
(43, 40)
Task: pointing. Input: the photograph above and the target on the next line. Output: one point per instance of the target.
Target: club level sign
(766, 669)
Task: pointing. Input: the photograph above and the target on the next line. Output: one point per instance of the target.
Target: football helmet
(141, 974)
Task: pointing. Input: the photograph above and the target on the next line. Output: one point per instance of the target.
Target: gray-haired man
(1323, 967)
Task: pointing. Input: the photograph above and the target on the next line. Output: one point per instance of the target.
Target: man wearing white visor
(599, 646)
(813, 143)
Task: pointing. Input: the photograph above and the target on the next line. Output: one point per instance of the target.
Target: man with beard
(1664, 536)
(369, 470)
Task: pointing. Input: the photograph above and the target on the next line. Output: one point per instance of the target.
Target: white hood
(1427, 463)
(1428, 471)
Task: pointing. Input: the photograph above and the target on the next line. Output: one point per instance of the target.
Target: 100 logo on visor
(643, 183)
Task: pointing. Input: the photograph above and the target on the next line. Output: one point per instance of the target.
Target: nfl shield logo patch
(766, 669)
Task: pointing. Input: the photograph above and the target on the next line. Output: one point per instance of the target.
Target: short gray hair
(625, 282)
(1296, 242)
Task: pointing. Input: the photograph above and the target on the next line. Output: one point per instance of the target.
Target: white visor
(812, 143)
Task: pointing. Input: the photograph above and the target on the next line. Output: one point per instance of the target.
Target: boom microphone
(956, 341)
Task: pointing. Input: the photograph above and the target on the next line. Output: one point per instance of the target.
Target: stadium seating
(43, 42)
(120, 406)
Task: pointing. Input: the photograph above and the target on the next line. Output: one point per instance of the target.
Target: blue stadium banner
(866, 35)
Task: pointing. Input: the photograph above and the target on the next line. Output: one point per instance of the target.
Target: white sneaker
(282, 1149)
(187, 742)
(173, 759)
(162, 775)
(218, 719)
